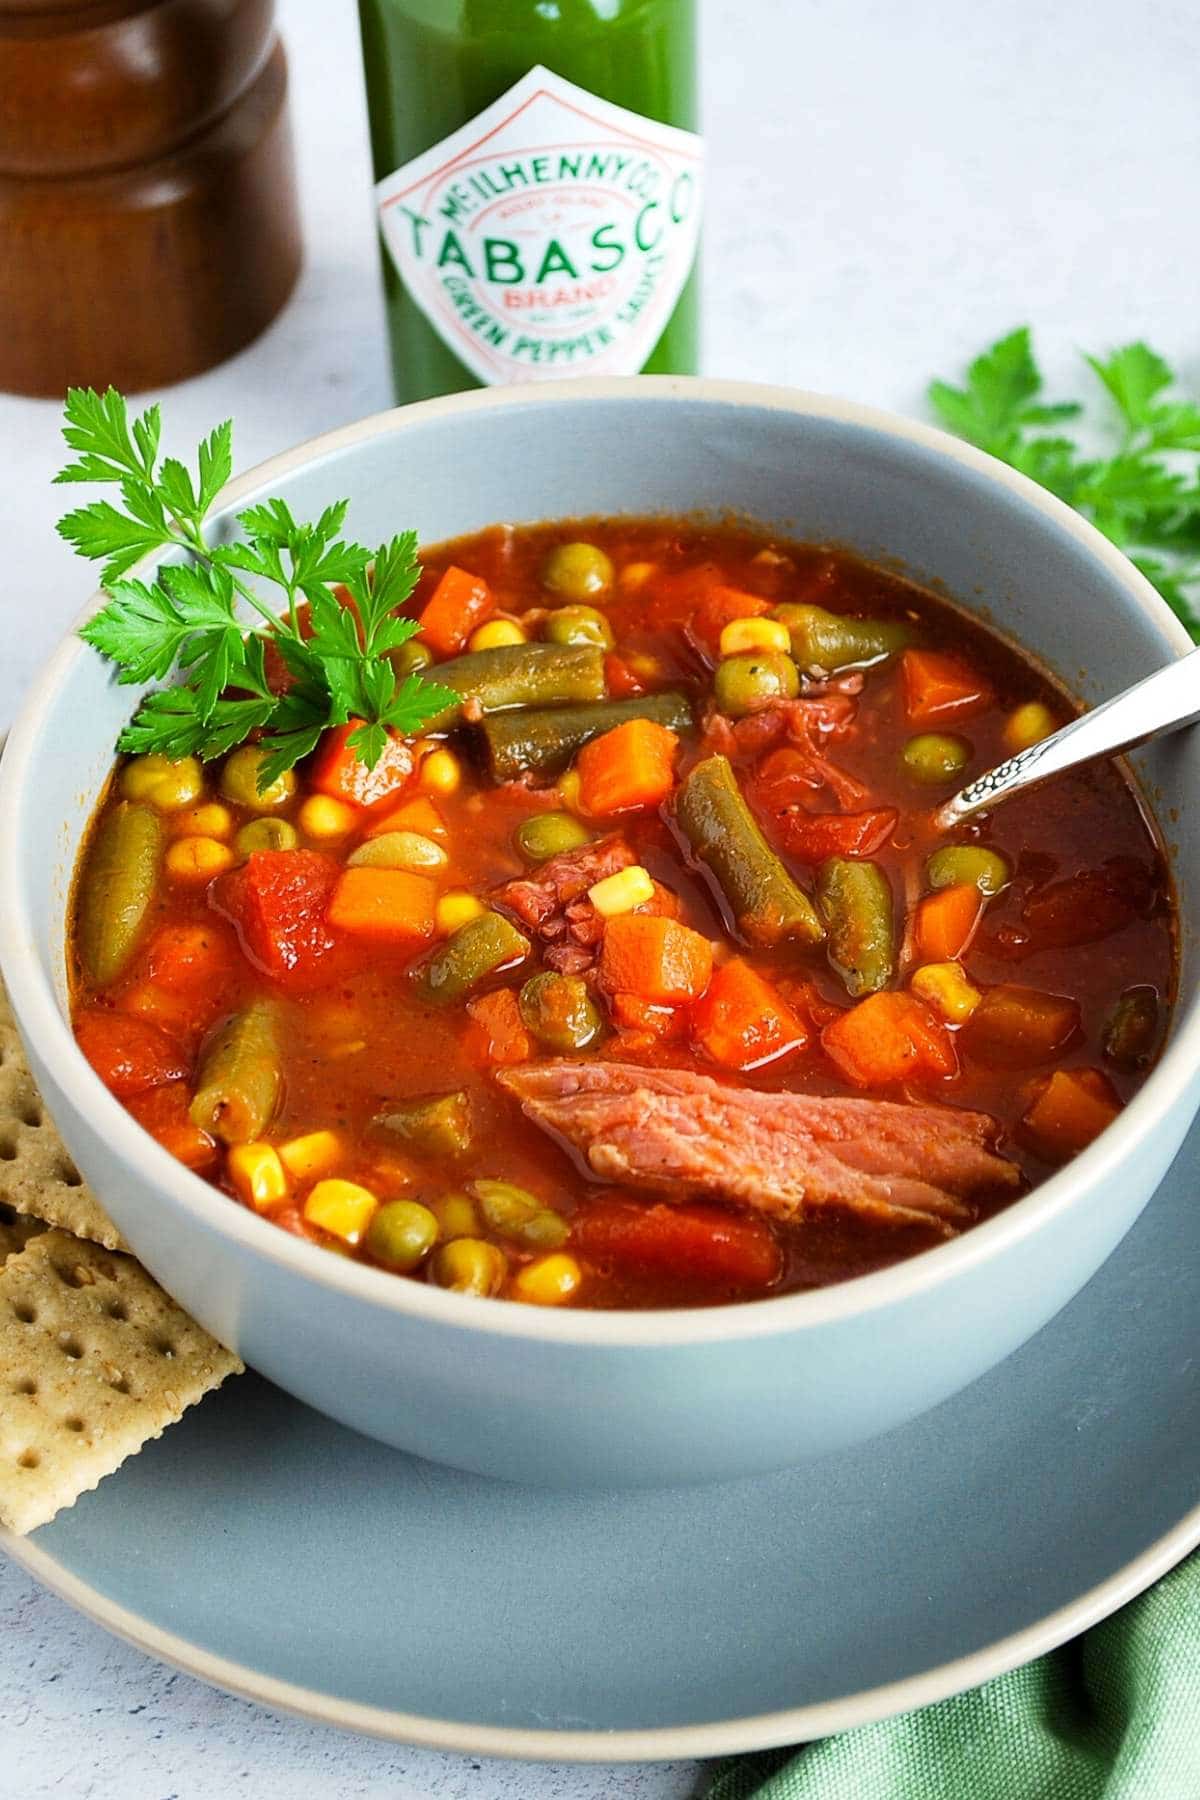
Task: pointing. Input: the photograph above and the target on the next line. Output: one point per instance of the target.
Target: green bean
(831, 641)
(935, 756)
(544, 835)
(963, 865)
(435, 1124)
(240, 1077)
(477, 949)
(765, 902)
(1131, 1029)
(855, 899)
(546, 740)
(266, 834)
(745, 684)
(515, 1213)
(520, 675)
(471, 1266)
(577, 571)
(118, 885)
(559, 1011)
(578, 625)
(401, 1234)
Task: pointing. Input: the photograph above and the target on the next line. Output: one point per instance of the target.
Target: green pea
(745, 684)
(578, 625)
(471, 1266)
(559, 1011)
(410, 658)
(577, 572)
(456, 1215)
(515, 1213)
(401, 1234)
(266, 834)
(544, 835)
(961, 865)
(935, 756)
(239, 781)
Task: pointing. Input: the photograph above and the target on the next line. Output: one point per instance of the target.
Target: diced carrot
(411, 815)
(814, 836)
(630, 767)
(947, 921)
(460, 602)
(164, 1114)
(498, 1034)
(658, 959)
(888, 1037)
(693, 1243)
(939, 688)
(128, 1054)
(718, 608)
(1017, 1027)
(388, 905)
(742, 1022)
(624, 683)
(630, 1012)
(1071, 1110)
(277, 901)
(338, 771)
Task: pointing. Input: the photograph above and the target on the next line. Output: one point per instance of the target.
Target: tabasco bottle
(538, 182)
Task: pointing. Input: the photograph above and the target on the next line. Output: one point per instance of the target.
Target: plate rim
(728, 1737)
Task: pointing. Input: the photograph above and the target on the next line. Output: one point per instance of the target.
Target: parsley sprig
(186, 619)
(1144, 494)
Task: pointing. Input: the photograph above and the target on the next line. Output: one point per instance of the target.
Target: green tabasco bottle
(538, 183)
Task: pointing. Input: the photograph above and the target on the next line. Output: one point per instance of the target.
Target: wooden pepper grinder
(148, 221)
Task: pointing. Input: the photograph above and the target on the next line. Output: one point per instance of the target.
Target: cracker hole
(25, 1386)
(25, 1313)
(28, 1459)
(119, 1385)
(8, 1147)
(31, 1114)
(71, 1346)
(73, 1424)
(68, 1174)
(76, 1276)
(116, 1309)
(164, 1346)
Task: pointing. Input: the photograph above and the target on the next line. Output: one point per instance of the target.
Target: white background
(890, 188)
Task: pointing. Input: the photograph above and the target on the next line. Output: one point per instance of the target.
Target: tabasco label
(549, 236)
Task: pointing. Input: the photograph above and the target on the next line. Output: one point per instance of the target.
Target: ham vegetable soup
(642, 978)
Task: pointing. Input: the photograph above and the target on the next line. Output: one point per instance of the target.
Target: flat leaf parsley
(186, 620)
(1144, 495)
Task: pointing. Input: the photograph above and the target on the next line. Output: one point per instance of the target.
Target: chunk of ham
(675, 1132)
(554, 904)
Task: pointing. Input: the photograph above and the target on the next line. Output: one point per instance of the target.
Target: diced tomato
(164, 1114)
(692, 1243)
(939, 688)
(460, 602)
(180, 978)
(718, 608)
(498, 1032)
(743, 1022)
(889, 1037)
(278, 901)
(338, 771)
(1071, 1109)
(623, 682)
(812, 837)
(128, 1054)
(1016, 1027)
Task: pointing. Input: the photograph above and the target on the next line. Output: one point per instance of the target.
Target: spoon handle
(1162, 703)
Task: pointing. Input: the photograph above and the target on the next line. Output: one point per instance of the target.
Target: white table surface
(891, 187)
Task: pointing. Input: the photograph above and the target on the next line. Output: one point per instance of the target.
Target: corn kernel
(621, 892)
(342, 1208)
(167, 785)
(210, 819)
(257, 1175)
(456, 908)
(321, 816)
(549, 1281)
(495, 634)
(568, 786)
(1028, 725)
(634, 576)
(198, 859)
(440, 772)
(309, 1157)
(742, 636)
(947, 989)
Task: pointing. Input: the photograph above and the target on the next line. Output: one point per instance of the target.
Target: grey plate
(272, 1552)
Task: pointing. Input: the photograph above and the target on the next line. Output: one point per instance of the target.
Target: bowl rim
(35, 1004)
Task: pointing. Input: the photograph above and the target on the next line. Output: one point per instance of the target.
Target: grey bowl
(639, 1398)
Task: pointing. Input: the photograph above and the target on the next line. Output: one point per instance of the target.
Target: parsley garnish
(186, 620)
(1144, 495)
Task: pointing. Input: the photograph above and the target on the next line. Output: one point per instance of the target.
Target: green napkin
(1115, 1715)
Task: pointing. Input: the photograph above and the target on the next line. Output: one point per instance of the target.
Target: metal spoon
(1164, 702)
